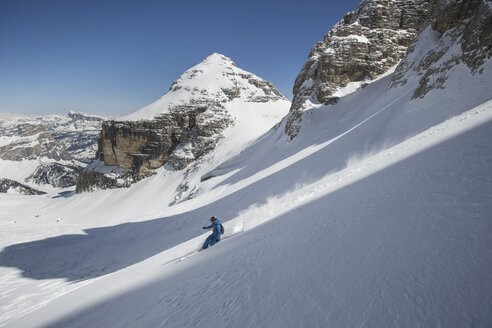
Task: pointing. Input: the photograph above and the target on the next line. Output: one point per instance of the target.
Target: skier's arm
(209, 227)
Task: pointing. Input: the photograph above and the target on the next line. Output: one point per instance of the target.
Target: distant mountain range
(46, 151)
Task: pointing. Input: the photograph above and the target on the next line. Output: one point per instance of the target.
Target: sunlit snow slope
(376, 214)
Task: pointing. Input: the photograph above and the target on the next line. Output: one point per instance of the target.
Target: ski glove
(204, 228)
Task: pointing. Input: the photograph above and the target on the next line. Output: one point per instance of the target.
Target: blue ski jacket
(216, 227)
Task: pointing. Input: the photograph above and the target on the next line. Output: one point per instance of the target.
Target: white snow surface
(377, 214)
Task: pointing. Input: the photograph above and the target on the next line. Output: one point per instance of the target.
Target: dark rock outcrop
(55, 174)
(7, 185)
(93, 180)
(465, 36)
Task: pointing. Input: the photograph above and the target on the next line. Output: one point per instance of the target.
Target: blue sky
(114, 57)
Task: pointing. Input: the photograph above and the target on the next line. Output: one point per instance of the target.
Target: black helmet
(213, 219)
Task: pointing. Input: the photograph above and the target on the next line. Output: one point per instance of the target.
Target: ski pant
(211, 240)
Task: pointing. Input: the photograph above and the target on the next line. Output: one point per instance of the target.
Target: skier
(215, 236)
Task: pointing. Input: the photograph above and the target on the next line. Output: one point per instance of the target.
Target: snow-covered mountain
(78, 131)
(47, 151)
(216, 79)
(377, 213)
(213, 104)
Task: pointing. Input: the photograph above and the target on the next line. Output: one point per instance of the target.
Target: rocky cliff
(463, 33)
(366, 43)
(380, 34)
(182, 126)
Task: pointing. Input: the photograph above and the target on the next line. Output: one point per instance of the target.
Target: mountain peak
(218, 59)
(216, 79)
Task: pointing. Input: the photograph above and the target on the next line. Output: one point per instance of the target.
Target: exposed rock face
(93, 180)
(179, 128)
(43, 159)
(178, 137)
(378, 34)
(33, 141)
(362, 46)
(11, 186)
(464, 32)
(55, 174)
(365, 44)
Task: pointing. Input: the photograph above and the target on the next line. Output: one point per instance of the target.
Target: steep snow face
(394, 234)
(215, 79)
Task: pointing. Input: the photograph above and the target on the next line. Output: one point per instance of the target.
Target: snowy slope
(376, 214)
(361, 236)
(352, 265)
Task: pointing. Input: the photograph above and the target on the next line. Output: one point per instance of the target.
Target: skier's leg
(207, 242)
(213, 239)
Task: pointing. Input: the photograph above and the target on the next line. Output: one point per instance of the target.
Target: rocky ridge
(179, 128)
(13, 187)
(463, 30)
(458, 32)
(365, 44)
